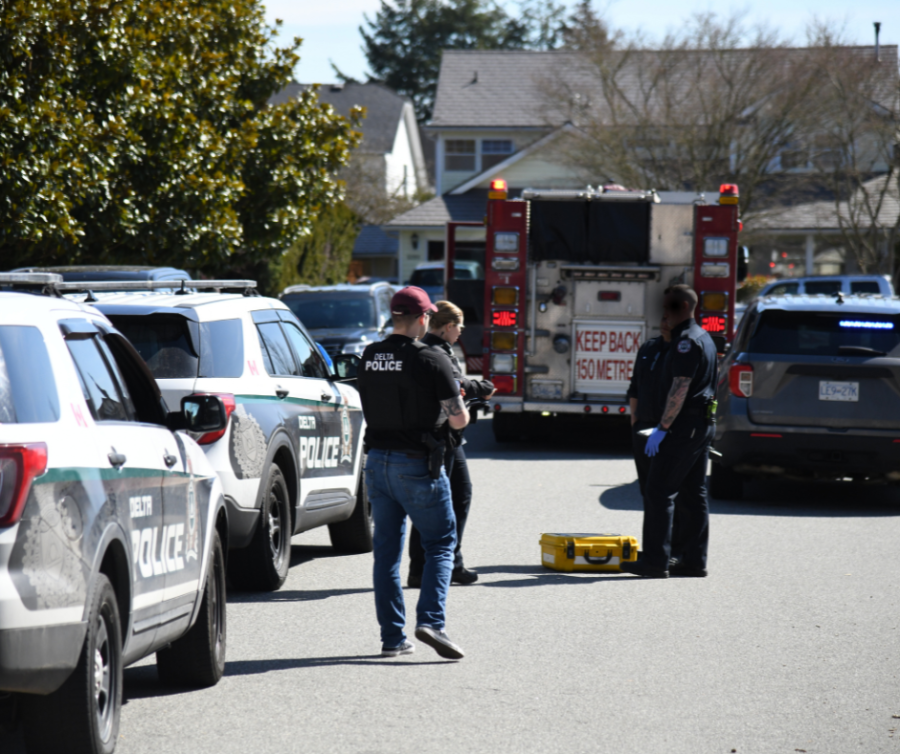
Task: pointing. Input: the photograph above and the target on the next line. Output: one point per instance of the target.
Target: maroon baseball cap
(411, 300)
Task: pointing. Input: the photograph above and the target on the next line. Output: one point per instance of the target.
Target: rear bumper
(823, 454)
(38, 660)
(613, 406)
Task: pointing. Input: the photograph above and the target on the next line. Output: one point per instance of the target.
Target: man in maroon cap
(408, 391)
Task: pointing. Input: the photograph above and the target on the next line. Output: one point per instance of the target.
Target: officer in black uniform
(679, 446)
(408, 391)
(642, 396)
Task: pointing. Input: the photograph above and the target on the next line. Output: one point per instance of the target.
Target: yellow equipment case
(587, 552)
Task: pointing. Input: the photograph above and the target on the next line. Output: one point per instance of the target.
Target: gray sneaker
(406, 648)
(439, 642)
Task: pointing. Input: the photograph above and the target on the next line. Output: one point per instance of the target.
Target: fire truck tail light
(19, 465)
(740, 380)
(505, 297)
(503, 341)
(505, 265)
(713, 301)
(728, 193)
(609, 296)
(715, 270)
(506, 242)
(504, 383)
(503, 362)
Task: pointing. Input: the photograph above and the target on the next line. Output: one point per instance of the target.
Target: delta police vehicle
(112, 525)
(290, 458)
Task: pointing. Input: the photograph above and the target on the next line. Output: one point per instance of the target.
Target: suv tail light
(740, 380)
(19, 465)
(230, 405)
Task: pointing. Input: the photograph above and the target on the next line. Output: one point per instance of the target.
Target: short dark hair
(404, 321)
(682, 294)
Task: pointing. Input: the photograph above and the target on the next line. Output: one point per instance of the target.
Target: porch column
(810, 254)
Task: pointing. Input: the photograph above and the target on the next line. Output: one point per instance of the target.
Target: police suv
(112, 525)
(290, 458)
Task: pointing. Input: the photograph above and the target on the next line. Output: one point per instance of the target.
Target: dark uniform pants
(677, 477)
(461, 491)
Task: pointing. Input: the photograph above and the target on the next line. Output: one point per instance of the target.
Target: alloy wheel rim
(276, 535)
(104, 680)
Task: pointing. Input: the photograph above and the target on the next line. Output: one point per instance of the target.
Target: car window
(276, 352)
(827, 287)
(308, 356)
(864, 286)
(823, 334)
(326, 312)
(222, 348)
(384, 306)
(427, 278)
(27, 389)
(164, 341)
(784, 289)
(104, 393)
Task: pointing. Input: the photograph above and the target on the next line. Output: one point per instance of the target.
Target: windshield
(427, 278)
(330, 312)
(825, 334)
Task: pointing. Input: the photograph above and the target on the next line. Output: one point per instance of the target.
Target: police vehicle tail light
(504, 383)
(503, 341)
(740, 380)
(503, 362)
(230, 404)
(19, 465)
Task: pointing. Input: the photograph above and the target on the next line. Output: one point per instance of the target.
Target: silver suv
(810, 390)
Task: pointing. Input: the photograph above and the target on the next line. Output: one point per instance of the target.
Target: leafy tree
(323, 255)
(138, 131)
(404, 42)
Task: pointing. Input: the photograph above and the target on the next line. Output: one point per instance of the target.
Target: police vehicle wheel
(355, 534)
(725, 483)
(198, 658)
(263, 565)
(82, 716)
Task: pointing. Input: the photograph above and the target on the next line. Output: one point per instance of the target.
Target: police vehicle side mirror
(346, 366)
(200, 413)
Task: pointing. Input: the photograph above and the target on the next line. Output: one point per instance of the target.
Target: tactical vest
(391, 398)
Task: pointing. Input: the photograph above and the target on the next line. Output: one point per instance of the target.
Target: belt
(407, 453)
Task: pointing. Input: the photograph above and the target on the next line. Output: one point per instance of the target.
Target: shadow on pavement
(540, 576)
(605, 440)
(306, 553)
(258, 667)
(292, 595)
(143, 683)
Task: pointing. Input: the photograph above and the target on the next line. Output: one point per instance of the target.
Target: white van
(879, 285)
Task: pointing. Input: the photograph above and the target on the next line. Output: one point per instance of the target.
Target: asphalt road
(790, 645)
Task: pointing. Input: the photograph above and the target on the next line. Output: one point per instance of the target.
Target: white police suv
(112, 525)
(291, 456)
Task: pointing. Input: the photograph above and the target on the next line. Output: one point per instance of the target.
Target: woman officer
(443, 331)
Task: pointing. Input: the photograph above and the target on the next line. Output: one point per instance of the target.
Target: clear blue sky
(330, 27)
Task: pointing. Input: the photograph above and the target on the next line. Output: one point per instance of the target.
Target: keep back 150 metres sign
(605, 354)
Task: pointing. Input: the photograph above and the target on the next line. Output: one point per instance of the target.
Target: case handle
(599, 561)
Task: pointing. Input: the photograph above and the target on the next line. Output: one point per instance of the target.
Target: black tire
(197, 659)
(725, 483)
(263, 565)
(355, 534)
(82, 716)
(508, 427)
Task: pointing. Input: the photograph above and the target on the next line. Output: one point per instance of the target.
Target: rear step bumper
(613, 406)
(826, 455)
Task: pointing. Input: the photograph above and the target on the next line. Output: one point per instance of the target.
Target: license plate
(839, 391)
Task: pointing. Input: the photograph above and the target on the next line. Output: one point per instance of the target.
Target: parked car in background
(809, 390)
(342, 318)
(429, 276)
(290, 458)
(112, 525)
(829, 285)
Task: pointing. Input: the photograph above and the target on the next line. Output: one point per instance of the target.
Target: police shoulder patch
(684, 346)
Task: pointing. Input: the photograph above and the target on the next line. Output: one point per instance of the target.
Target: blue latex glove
(656, 437)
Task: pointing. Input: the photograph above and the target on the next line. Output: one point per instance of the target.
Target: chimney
(877, 47)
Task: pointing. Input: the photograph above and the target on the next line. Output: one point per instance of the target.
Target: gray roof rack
(152, 285)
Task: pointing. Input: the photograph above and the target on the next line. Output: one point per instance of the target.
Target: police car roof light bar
(30, 278)
(247, 286)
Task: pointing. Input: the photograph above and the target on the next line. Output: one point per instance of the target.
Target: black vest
(397, 407)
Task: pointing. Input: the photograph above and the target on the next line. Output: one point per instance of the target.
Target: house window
(459, 154)
(435, 251)
(494, 151)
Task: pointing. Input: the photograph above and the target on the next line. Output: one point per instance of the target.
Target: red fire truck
(574, 285)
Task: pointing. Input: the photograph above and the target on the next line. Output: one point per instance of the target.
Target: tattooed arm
(674, 402)
(455, 411)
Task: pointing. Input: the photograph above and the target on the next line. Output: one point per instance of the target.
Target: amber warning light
(498, 189)
(728, 193)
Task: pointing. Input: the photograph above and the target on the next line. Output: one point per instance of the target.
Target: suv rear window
(864, 286)
(175, 347)
(824, 334)
(333, 311)
(27, 388)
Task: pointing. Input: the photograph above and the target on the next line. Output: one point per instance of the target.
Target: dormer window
(494, 151)
(459, 155)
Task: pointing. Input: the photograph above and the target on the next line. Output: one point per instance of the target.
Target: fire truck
(574, 285)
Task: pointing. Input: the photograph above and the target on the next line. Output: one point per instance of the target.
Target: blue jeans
(399, 486)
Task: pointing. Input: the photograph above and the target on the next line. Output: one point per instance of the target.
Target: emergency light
(498, 189)
(859, 325)
(504, 319)
(728, 193)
